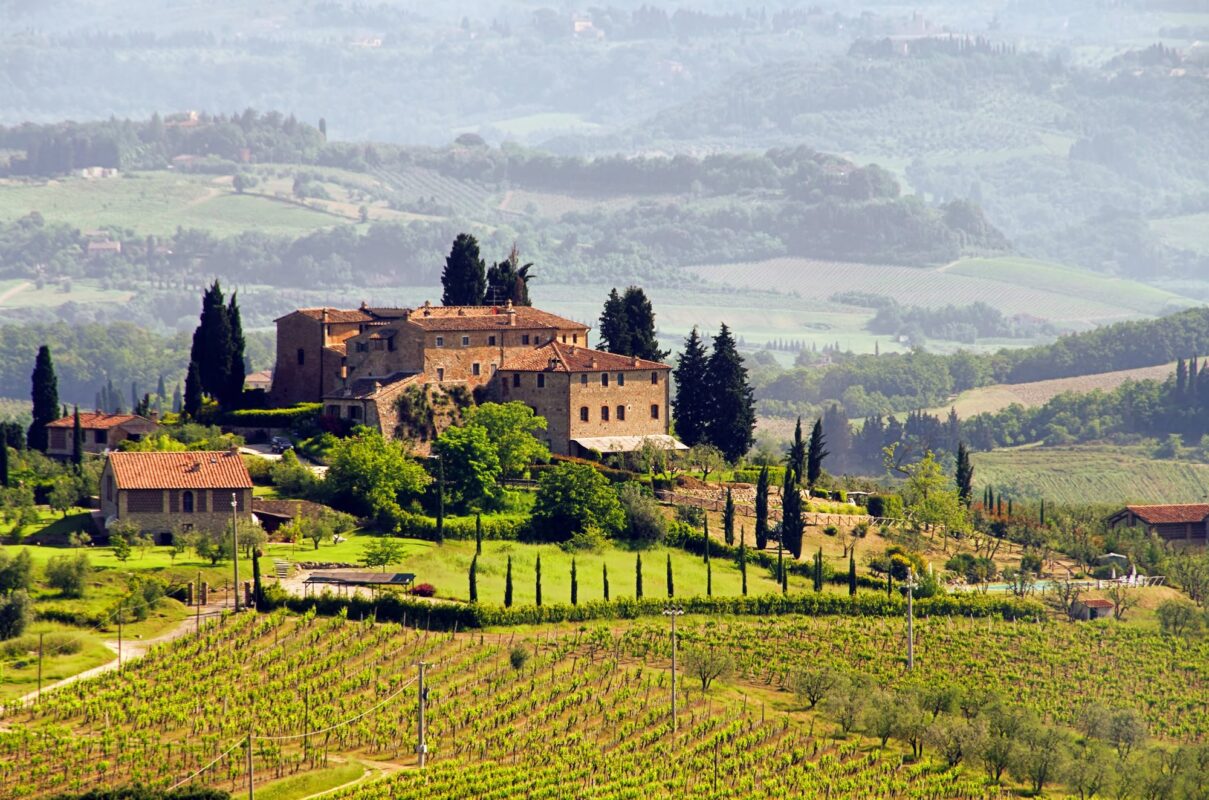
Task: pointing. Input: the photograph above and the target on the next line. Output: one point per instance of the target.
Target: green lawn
(307, 784)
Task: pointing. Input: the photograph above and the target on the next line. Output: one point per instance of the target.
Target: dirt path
(132, 650)
(14, 290)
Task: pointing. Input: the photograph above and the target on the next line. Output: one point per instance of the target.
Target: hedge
(273, 417)
(614, 475)
(776, 476)
(78, 617)
(140, 792)
(498, 527)
(448, 615)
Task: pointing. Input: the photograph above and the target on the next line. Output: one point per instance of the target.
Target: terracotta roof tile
(558, 357)
(190, 470)
(336, 314)
(97, 421)
(1097, 603)
(1171, 514)
(476, 318)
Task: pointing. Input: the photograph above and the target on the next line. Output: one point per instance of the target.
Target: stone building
(593, 402)
(99, 431)
(1187, 523)
(311, 349)
(163, 492)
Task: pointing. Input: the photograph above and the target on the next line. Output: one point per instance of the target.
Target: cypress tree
(781, 551)
(965, 474)
(671, 586)
(537, 580)
(605, 580)
(614, 330)
(743, 559)
(474, 579)
(784, 581)
(3, 463)
(640, 326)
(161, 391)
(852, 574)
(762, 509)
(236, 370)
(815, 454)
(792, 524)
(1009, 507)
(705, 540)
(1042, 510)
(709, 579)
(728, 518)
(193, 392)
(692, 401)
(257, 586)
(731, 422)
(212, 345)
(796, 457)
(45, 396)
(464, 279)
(177, 399)
(574, 584)
(508, 584)
(478, 534)
(440, 528)
(77, 440)
(818, 570)
(638, 576)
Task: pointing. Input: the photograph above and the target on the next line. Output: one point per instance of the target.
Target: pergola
(343, 579)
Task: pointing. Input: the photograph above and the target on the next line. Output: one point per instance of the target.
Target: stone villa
(99, 431)
(361, 364)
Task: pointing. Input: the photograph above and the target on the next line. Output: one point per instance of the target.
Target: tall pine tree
(464, 278)
(45, 396)
(212, 344)
(762, 509)
(792, 524)
(815, 453)
(731, 421)
(692, 403)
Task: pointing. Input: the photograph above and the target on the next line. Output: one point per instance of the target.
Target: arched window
(583, 413)
(604, 413)
(621, 413)
(187, 502)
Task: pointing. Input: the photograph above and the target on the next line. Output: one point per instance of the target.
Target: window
(564, 338)
(541, 380)
(475, 369)
(524, 338)
(504, 387)
(654, 377)
(187, 502)
(333, 410)
(583, 413)
(654, 411)
(379, 344)
(465, 341)
(604, 413)
(575, 338)
(583, 379)
(604, 379)
(102, 437)
(621, 379)
(301, 356)
(354, 412)
(516, 379)
(621, 413)
(360, 347)
(440, 374)
(491, 341)
(440, 341)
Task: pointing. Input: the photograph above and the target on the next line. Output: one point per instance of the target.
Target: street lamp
(910, 586)
(673, 611)
(235, 547)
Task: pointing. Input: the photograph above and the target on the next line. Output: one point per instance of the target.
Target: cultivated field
(1091, 474)
(1057, 294)
(989, 399)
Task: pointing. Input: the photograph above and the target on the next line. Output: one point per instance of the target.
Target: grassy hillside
(1190, 231)
(1091, 474)
(1014, 286)
(989, 399)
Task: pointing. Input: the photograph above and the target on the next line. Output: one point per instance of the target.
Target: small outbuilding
(1092, 609)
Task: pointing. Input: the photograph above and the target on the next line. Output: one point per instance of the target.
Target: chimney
(233, 450)
(634, 361)
(511, 312)
(594, 363)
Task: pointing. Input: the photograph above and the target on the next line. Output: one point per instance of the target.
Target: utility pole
(673, 612)
(119, 635)
(39, 697)
(235, 548)
(197, 614)
(251, 774)
(421, 746)
(910, 585)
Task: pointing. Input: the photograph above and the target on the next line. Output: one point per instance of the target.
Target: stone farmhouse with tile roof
(164, 492)
(100, 432)
(363, 363)
(1187, 523)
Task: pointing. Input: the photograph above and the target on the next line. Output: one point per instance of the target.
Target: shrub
(831, 530)
(423, 590)
(518, 657)
(68, 574)
(16, 612)
(259, 469)
(691, 515)
(497, 527)
(645, 523)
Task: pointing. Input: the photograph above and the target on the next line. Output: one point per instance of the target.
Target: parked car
(280, 444)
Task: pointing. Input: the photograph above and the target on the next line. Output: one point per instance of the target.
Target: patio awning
(628, 444)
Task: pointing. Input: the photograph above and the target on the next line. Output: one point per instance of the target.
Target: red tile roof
(96, 421)
(477, 318)
(191, 470)
(558, 357)
(1171, 514)
(1097, 603)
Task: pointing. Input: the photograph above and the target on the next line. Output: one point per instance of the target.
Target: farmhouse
(1175, 523)
(100, 432)
(375, 364)
(165, 492)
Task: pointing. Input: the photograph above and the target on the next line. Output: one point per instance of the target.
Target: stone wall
(303, 350)
(159, 510)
